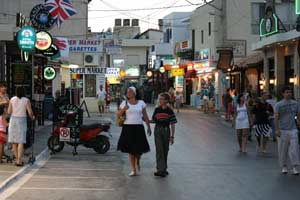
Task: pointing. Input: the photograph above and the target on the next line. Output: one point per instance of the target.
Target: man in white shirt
(101, 94)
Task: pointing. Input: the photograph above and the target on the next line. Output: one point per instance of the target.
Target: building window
(168, 35)
(209, 29)
(152, 48)
(202, 37)
(90, 85)
(257, 13)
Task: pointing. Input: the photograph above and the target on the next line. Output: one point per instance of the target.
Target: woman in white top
(242, 123)
(18, 105)
(133, 138)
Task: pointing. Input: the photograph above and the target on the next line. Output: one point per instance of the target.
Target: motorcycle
(90, 136)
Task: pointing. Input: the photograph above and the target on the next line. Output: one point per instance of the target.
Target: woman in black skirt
(133, 138)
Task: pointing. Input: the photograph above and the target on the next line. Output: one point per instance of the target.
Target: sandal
(20, 164)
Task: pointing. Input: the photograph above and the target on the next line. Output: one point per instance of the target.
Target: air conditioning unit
(135, 22)
(118, 22)
(91, 59)
(126, 22)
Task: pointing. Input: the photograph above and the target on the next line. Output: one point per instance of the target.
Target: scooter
(90, 136)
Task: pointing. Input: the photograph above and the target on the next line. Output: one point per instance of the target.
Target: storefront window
(90, 85)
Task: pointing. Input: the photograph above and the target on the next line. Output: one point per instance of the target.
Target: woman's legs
(1, 151)
(20, 153)
(132, 160)
(239, 134)
(265, 142)
(244, 140)
(137, 162)
(15, 150)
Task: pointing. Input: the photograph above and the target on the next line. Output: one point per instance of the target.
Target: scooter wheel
(103, 144)
(55, 145)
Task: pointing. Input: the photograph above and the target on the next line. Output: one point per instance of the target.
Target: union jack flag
(60, 10)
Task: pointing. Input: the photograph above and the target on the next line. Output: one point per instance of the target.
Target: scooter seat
(93, 126)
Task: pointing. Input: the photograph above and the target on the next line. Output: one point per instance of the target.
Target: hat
(133, 89)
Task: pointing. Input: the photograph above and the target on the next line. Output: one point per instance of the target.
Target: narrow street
(204, 164)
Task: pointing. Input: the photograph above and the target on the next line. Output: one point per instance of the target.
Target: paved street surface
(204, 164)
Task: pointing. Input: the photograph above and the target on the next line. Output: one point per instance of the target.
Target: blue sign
(26, 38)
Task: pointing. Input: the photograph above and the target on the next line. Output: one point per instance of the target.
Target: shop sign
(40, 18)
(185, 45)
(43, 40)
(113, 80)
(201, 65)
(206, 70)
(179, 83)
(297, 6)
(26, 38)
(132, 71)
(119, 63)
(178, 72)
(84, 46)
(202, 55)
(49, 73)
(190, 67)
(269, 24)
(112, 72)
(88, 70)
(51, 51)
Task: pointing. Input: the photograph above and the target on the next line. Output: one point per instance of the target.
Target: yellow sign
(177, 72)
(113, 80)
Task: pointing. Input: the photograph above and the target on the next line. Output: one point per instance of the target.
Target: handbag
(121, 120)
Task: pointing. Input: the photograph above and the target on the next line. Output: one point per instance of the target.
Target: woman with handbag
(133, 138)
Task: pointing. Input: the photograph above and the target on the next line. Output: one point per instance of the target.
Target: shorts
(101, 102)
(3, 137)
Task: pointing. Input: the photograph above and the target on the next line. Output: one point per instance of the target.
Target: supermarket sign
(85, 46)
(88, 70)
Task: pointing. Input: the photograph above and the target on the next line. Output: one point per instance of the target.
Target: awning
(191, 74)
(225, 58)
(252, 59)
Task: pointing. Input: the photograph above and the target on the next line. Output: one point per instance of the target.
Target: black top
(262, 111)
(164, 117)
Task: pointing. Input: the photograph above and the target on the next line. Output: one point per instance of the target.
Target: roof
(151, 29)
(253, 58)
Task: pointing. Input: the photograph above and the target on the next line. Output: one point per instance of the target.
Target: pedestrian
(101, 95)
(133, 139)
(172, 96)
(164, 118)
(227, 104)
(3, 134)
(286, 130)
(242, 123)
(4, 100)
(261, 114)
(17, 128)
(178, 100)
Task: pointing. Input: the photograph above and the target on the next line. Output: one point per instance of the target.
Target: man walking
(286, 130)
(101, 94)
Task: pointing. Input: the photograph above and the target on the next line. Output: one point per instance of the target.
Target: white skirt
(17, 130)
(242, 124)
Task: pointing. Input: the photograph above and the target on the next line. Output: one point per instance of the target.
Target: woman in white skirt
(17, 128)
(242, 123)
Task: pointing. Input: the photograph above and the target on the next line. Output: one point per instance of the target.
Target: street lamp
(149, 74)
(162, 70)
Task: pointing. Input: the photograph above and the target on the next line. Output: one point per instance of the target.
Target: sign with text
(88, 70)
(26, 38)
(112, 72)
(177, 72)
(64, 134)
(81, 46)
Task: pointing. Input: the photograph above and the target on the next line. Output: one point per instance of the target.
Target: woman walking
(133, 137)
(242, 123)
(262, 112)
(17, 108)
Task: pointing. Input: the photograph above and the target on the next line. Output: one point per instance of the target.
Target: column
(296, 72)
(266, 72)
(279, 70)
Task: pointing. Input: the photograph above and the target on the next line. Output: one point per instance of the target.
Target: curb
(16, 176)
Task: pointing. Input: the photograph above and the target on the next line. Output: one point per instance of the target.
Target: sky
(102, 20)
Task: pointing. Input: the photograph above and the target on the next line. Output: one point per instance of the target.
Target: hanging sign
(177, 72)
(297, 7)
(43, 40)
(26, 38)
(40, 18)
(269, 24)
(51, 51)
(49, 73)
(112, 72)
(88, 70)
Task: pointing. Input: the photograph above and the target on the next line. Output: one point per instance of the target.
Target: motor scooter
(90, 136)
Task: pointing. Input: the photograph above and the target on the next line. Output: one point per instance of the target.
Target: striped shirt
(164, 117)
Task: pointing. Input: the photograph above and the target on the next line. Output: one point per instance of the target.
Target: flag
(60, 10)
(63, 46)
